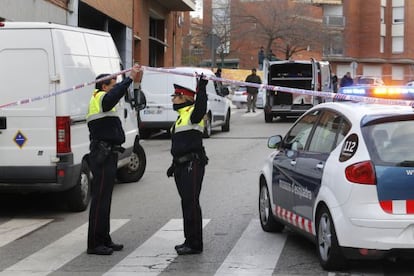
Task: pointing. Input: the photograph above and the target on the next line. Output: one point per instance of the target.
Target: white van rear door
(26, 68)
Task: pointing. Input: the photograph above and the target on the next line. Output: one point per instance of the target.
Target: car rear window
(391, 143)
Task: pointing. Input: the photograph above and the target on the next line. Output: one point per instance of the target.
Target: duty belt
(109, 147)
(186, 158)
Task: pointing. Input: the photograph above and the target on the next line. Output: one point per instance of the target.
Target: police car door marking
(20, 139)
(296, 220)
(349, 148)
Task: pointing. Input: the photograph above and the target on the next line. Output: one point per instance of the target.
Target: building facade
(146, 31)
(239, 36)
(370, 37)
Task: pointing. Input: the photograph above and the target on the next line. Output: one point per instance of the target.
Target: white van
(158, 86)
(301, 74)
(44, 143)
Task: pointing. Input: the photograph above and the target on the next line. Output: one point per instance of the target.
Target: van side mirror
(224, 91)
(140, 102)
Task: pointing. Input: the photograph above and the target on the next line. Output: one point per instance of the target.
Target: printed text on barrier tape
(330, 95)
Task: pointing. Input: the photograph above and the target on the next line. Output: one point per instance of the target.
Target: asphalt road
(38, 237)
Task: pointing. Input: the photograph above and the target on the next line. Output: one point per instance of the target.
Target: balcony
(334, 21)
(321, 2)
(178, 5)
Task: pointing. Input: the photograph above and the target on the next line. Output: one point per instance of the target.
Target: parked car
(410, 83)
(158, 86)
(343, 177)
(239, 97)
(366, 80)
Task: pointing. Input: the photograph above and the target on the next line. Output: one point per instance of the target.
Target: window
(329, 132)
(382, 15)
(298, 135)
(398, 73)
(397, 44)
(398, 15)
(382, 41)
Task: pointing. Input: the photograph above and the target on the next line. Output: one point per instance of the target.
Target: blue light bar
(386, 92)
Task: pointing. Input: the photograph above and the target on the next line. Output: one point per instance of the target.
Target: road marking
(57, 254)
(255, 253)
(17, 228)
(155, 254)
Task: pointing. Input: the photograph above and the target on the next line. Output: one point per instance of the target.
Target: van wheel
(207, 126)
(135, 168)
(329, 252)
(78, 197)
(226, 126)
(268, 118)
(267, 220)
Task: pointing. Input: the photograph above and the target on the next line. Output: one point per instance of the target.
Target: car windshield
(390, 143)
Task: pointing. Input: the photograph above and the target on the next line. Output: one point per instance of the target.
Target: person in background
(346, 80)
(189, 161)
(106, 137)
(261, 57)
(335, 83)
(252, 91)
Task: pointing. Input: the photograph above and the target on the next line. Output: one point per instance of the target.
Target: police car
(343, 176)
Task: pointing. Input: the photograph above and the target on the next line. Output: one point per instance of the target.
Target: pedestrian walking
(252, 91)
(106, 137)
(189, 161)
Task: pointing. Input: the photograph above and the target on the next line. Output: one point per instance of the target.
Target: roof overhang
(178, 5)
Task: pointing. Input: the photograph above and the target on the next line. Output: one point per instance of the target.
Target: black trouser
(104, 173)
(188, 178)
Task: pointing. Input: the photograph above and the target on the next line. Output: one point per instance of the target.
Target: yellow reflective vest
(183, 122)
(95, 107)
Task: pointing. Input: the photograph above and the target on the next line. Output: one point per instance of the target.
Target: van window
(291, 70)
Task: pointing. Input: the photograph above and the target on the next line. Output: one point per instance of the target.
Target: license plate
(152, 111)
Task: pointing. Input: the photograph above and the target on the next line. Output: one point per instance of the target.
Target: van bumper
(27, 179)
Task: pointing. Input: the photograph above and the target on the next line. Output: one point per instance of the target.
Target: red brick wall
(119, 10)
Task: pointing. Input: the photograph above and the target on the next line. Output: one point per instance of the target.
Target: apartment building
(370, 37)
(239, 38)
(147, 31)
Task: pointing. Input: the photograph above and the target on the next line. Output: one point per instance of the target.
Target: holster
(100, 150)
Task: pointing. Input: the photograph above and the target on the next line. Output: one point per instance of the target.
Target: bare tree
(285, 25)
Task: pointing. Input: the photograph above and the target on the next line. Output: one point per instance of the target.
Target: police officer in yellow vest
(189, 161)
(106, 137)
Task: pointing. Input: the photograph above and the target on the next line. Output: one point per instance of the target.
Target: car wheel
(78, 197)
(226, 126)
(135, 168)
(268, 117)
(207, 126)
(329, 252)
(267, 220)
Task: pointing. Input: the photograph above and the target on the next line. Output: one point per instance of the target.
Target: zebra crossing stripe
(255, 253)
(155, 254)
(56, 254)
(17, 228)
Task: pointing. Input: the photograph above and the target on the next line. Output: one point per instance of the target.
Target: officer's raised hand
(136, 73)
(201, 84)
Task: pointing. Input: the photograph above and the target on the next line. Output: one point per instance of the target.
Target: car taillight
(361, 173)
(63, 134)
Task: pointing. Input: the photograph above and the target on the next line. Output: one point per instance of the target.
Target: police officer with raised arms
(189, 161)
(106, 137)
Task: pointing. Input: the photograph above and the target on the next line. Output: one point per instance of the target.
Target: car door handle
(320, 166)
(293, 162)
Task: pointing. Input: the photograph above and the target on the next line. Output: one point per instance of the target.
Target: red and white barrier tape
(333, 96)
